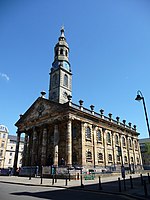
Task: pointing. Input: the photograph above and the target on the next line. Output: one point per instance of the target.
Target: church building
(59, 132)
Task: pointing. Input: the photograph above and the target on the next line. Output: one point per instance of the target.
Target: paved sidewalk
(108, 184)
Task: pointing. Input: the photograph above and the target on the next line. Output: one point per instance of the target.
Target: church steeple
(60, 76)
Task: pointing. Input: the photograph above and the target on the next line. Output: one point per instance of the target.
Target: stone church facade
(59, 132)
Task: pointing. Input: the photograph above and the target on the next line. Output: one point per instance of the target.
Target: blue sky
(109, 44)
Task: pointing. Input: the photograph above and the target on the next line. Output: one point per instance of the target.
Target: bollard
(41, 180)
(141, 179)
(66, 180)
(42, 175)
(53, 179)
(124, 181)
(82, 186)
(100, 184)
(131, 182)
(148, 178)
(145, 188)
(119, 182)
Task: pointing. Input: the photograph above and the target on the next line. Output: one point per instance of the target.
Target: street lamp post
(140, 97)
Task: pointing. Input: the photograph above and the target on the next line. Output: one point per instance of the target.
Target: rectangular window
(1, 153)
(9, 162)
(3, 143)
(10, 154)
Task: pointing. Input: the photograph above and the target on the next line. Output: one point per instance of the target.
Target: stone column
(113, 149)
(69, 143)
(16, 152)
(105, 147)
(25, 156)
(34, 142)
(56, 140)
(121, 148)
(83, 144)
(95, 147)
(128, 151)
(43, 153)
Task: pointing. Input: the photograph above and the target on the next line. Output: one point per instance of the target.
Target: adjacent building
(3, 144)
(60, 132)
(145, 152)
(10, 152)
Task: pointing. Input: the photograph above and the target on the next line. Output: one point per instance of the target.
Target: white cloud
(4, 76)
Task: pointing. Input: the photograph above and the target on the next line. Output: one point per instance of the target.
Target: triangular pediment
(40, 109)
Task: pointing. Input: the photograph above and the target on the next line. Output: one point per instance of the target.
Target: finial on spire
(62, 31)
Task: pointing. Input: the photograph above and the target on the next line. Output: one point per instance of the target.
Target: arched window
(88, 133)
(100, 157)
(116, 139)
(88, 155)
(66, 80)
(108, 137)
(130, 143)
(99, 136)
(135, 144)
(131, 159)
(61, 51)
(123, 141)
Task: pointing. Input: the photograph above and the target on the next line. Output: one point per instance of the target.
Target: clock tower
(60, 76)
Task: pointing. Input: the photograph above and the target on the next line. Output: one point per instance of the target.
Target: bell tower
(60, 76)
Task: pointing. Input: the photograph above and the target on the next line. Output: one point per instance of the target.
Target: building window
(100, 157)
(125, 159)
(61, 51)
(118, 158)
(108, 138)
(3, 144)
(116, 139)
(1, 153)
(137, 159)
(131, 159)
(123, 141)
(11, 147)
(99, 136)
(65, 80)
(9, 162)
(66, 52)
(88, 156)
(109, 158)
(4, 135)
(88, 133)
(10, 154)
(135, 144)
(130, 143)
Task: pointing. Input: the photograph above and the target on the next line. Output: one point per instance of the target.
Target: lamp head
(138, 97)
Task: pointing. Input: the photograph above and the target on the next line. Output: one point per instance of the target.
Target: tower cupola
(60, 75)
